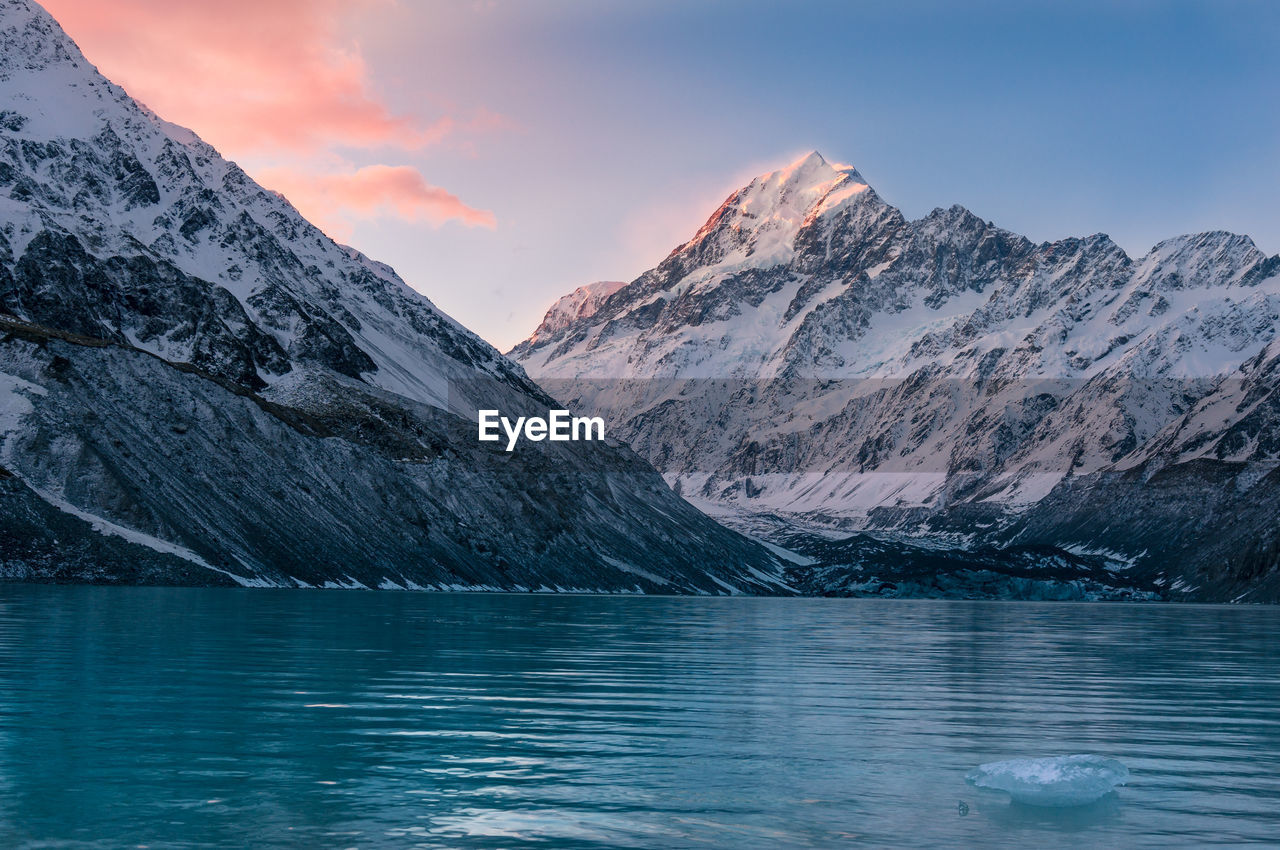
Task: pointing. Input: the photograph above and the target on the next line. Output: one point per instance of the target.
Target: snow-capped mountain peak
(812, 353)
(580, 304)
(761, 220)
(803, 185)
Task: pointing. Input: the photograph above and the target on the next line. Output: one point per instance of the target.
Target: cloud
(330, 199)
(279, 81)
(247, 75)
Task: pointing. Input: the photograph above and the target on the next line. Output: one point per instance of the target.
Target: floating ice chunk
(1058, 781)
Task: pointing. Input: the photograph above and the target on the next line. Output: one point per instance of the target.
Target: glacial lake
(173, 718)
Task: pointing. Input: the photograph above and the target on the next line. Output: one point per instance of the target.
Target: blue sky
(599, 135)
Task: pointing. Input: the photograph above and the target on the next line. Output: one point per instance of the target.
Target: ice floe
(1058, 781)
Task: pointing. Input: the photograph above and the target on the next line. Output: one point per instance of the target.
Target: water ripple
(210, 718)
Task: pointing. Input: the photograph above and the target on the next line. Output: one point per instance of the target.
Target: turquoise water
(211, 718)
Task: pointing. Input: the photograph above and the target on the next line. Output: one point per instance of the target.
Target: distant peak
(808, 186)
(777, 204)
(582, 303)
(599, 287)
(1210, 240)
(811, 171)
(811, 159)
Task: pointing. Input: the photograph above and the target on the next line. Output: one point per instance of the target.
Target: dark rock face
(1205, 529)
(197, 386)
(40, 543)
(357, 489)
(863, 565)
(56, 283)
(812, 355)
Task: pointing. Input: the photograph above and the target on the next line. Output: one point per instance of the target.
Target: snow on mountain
(197, 385)
(84, 163)
(580, 304)
(813, 355)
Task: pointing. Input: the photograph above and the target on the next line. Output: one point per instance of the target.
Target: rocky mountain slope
(811, 355)
(578, 305)
(198, 386)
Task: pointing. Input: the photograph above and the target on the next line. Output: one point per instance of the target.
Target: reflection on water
(200, 718)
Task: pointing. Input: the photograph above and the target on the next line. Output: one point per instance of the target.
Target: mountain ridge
(840, 367)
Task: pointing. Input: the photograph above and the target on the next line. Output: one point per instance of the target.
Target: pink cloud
(375, 190)
(284, 80)
(249, 75)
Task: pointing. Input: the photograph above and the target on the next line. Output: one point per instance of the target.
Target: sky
(500, 153)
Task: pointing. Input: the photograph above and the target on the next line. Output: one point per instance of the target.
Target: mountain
(580, 304)
(813, 360)
(198, 386)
